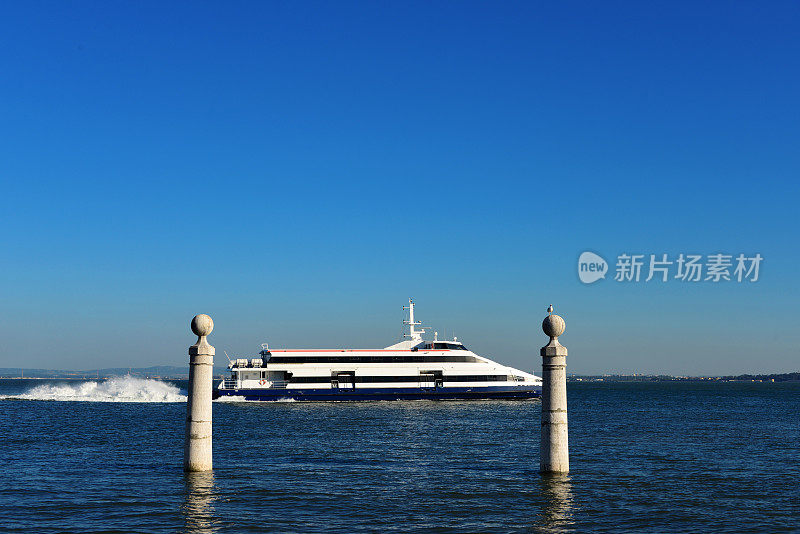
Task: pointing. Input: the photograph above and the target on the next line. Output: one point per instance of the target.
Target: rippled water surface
(663, 457)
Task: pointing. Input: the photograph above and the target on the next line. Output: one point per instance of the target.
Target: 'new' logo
(591, 267)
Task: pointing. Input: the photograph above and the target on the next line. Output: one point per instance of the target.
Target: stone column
(197, 446)
(554, 448)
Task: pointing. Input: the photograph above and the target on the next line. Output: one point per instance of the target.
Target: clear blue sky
(297, 170)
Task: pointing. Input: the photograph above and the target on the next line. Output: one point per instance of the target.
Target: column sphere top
(202, 325)
(553, 325)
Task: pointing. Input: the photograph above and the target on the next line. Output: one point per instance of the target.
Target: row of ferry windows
(413, 378)
(442, 346)
(371, 359)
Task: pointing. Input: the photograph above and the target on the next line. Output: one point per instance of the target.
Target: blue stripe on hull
(367, 394)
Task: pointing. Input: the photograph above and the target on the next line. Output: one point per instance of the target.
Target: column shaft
(554, 448)
(197, 446)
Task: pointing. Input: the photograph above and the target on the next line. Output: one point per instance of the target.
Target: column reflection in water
(198, 506)
(557, 505)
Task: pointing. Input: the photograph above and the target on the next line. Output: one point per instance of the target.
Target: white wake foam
(116, 389)
(231, 398)
(236, 398)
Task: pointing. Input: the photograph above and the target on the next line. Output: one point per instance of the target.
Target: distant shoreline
(158, 372)
(771, 377)
(178, 373)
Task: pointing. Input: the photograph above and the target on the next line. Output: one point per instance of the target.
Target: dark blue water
(663, 457)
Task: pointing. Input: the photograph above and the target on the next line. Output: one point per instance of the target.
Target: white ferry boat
(411, 369)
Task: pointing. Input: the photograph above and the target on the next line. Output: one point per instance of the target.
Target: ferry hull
(372, 394)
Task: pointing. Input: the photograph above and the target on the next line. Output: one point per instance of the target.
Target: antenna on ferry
(413, 333)
(436, 336)
(226, 355)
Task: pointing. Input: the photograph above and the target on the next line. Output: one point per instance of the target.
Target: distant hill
(161, 371)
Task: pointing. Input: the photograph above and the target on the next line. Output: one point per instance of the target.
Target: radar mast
(413, 333)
